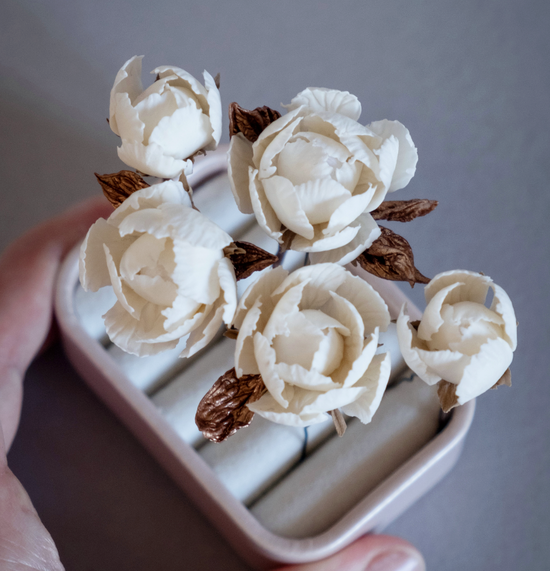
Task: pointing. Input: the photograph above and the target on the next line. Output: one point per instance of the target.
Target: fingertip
(370, 553)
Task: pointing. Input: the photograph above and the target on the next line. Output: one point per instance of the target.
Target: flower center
(466, 326)
(147, 267)
(314, 342)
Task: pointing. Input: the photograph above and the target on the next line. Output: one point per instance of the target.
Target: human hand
(28, 269)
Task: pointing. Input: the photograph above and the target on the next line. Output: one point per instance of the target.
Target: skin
(28, 269)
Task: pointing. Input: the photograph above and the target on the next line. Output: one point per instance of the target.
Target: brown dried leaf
(250, 123)
(222, 410)
(339, 421)
(506, 379)
(447, 395)
(403, 210)
(248, 258)
(390, 257)
(117, 187)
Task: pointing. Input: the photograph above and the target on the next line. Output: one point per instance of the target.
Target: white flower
(459, 339)
(318, 172)
(312, 335)
(166, 264)
(163, 126)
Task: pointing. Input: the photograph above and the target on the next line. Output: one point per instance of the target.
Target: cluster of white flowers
(318, 172)
(313, 334)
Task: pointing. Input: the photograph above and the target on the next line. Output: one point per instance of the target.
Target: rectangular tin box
(259, 546)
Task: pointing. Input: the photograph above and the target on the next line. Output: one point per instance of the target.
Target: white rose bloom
(313, 335)
(166, 264)
(459, 339)
(318, 172)
(163, 126)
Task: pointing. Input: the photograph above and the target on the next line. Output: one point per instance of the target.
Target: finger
(28, 269)
(24, 542)
(369, 553)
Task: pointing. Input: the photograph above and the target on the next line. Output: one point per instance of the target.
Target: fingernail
(397, 560)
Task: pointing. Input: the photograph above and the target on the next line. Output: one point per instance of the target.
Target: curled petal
(320, 99)
(151, 160)
(239, 161)
(127, 80)
(408, 155)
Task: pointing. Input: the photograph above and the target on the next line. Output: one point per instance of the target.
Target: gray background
(470, 80)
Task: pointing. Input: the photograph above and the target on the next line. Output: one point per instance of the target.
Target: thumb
(369, 553)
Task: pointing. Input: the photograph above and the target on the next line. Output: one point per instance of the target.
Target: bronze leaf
(222, 410)
(117, 187)
(390, 257)
(248, 258)
(447, 395)
(506, 379)
(231, 333)
(250, 123)
(403, 210)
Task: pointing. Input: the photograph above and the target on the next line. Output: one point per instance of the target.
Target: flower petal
(123, 330)
(239, 159)
(151, 160)
(408, 155)
(214, 109)
(409, 345)
(182, 133)
(265, 215)
(484, 370)
(368, 232)
(127, 80)
(320, 99)
(375, 381)
(284, 200)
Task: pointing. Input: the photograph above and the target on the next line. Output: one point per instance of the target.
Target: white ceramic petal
(277, 144)
(127, 80)
(388, 155)
(321, 198)
(503, 306)
(321, 243)
(268, 281)
(151, 160)
(362, 363)
(375, 380)
(184, 79)
(286, 306)
(320, 99)
(239, 160)
(202, 335)
(432, 319)
(214, 109)
(128, 122)
(265, 358)
(322, 279)
(271, 410)
(306, 379)
(122, 329)
(368, 302)
(92, 264)
(409, 344)
(474, 286)
(168, 192)
(245, 361)
(183, 133)
(265, 215)
(196, 273)
(368, 232)
(284, 201)
(408, 155)
(270, 132)
(484, 370)
(348, 211)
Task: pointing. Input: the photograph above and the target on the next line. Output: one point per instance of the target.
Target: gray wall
(470, 80)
